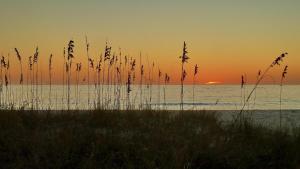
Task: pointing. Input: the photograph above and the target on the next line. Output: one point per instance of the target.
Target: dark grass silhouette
(141, 139)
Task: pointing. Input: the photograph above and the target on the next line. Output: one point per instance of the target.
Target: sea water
(198, 97)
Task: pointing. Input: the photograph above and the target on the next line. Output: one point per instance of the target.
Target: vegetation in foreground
(141, 139)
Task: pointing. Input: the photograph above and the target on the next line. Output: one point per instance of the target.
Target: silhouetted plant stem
(167, 80)
(3, 65)
(41, 89)
(284, 72)
(36, 85)
(141, 82)
(21, 73)
(158, 86)
(9, 81)
(88, 69)
(98, 69)
(274, 63)
(50, 79)
(257, 77)
(27, 80)
(195, 73)
(1, 83)
(128, 90)
(119, 71)
(151, 83)
(184, 59)
(242, 86)
(31, 68)
(78, 69)
(69, 67)
(107, 54)
(63, 75)
(35, 62)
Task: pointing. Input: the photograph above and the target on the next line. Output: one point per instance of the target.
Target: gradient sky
(226, 38)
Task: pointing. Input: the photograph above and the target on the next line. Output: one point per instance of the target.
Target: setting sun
(212, 82)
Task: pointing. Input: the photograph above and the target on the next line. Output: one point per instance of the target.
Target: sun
(212, 82)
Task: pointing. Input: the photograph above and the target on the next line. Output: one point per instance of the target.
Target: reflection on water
(208, 97)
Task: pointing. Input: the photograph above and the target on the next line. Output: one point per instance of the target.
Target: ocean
(198, 97)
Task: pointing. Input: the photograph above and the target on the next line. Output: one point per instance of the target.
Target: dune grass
(141, 139)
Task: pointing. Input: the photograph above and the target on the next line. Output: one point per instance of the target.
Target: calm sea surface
(208, 97)
(227, 100)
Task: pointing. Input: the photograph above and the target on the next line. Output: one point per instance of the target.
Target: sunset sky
(226, 38)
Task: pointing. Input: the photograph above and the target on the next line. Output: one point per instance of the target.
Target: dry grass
(141, 139)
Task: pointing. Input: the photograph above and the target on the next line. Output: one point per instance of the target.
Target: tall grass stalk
(63, 75)
(88, 69)
(6, 90)
(78, 69)
(243, 82)
(21, 73)
(276, 62)
(9, 81)
(151, 83)
(141, 82)
(35, 62)
(50, 79)
(158, 86)
(125, 70)
(107, 57)
(27, 79)
(167, 80)
(1, 84)
(3, 66)
(41, 89)
(283, 75)
(69, 68)
(120, 73)
(1, 81)
(30, 67)
(195, 73)
(98, 69)
(128, 84)
(257, 77)
(184, 59)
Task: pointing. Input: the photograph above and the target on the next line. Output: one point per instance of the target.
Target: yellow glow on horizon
(212, 82)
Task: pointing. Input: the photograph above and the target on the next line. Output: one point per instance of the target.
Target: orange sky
(226, 40)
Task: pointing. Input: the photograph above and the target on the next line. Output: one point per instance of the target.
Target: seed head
(184, 56)
(142, 70)
(242, 82)
(18, 54)
(278, 59)
(36, 55)
(50, 62)
(284, 71)
(91, 62)
(196, 69)
(70, 49)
